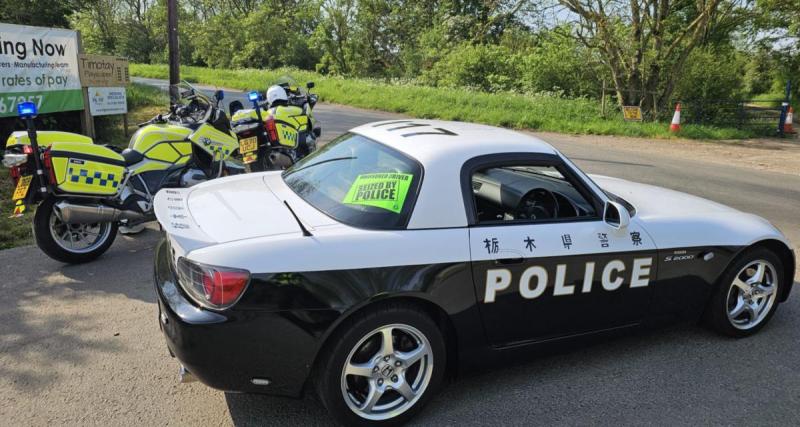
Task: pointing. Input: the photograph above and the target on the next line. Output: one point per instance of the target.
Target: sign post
(39, 65)
(104, 79)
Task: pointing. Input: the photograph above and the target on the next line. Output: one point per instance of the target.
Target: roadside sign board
(104, 101)
(632, 113)
(103, 71)
(40, 65)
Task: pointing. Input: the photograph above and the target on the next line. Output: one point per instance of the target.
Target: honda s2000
(408, 248)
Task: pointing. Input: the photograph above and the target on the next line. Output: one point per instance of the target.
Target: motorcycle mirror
(234, 107)
(219, 95)
(310, 85)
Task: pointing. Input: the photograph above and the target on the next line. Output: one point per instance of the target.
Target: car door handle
(508, 261)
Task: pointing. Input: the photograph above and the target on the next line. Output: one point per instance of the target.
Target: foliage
(647, 52)
(711, 75)
(543, 111)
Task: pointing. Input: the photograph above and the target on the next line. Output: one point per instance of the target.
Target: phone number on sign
(9, 103)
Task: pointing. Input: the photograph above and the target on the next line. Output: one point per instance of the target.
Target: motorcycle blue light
(26, 110)
(253, 96)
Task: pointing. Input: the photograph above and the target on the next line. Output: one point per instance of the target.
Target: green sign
(39, 65)
(381, 190)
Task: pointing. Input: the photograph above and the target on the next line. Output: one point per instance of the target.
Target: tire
(360, 340)
(738, 313)
(46, 219)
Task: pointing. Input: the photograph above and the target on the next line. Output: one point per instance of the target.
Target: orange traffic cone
(676, 119)
(787, 125)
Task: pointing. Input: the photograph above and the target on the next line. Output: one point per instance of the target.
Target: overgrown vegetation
(542, 111)
(143, 103)
(648, 52)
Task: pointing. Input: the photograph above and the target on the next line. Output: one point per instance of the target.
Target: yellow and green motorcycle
(86, 191)
(274, 134)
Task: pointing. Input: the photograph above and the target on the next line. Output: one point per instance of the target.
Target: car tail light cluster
(272, 129)
(212, 286)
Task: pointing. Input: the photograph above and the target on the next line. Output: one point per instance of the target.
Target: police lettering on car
(408, 248)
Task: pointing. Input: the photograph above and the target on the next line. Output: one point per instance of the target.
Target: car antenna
(302, 227)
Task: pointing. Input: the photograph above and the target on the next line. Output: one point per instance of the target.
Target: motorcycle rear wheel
(70, 243)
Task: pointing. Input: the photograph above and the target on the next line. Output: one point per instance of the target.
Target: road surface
(80, 344)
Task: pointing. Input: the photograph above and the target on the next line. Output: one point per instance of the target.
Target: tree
(645, 43)
(42, 13)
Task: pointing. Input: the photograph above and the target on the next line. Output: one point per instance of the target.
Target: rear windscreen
(359, 182)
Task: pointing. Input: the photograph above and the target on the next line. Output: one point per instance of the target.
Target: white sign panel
(104, 101)
(40, 65)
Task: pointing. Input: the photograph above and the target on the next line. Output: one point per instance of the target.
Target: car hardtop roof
(431, 140)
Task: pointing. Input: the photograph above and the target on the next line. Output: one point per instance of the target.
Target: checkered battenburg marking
(96, 178)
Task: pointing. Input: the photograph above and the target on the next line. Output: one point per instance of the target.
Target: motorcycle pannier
(87, 168)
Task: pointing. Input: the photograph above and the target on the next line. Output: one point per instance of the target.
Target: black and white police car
(408, 249)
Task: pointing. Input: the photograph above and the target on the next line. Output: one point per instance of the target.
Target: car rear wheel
(748, 294)
(382, 367)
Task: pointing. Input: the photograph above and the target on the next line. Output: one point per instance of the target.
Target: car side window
(527, 193)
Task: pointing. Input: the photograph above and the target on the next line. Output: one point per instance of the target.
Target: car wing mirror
(616, 216)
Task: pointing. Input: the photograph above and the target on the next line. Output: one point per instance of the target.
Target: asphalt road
(80, 344)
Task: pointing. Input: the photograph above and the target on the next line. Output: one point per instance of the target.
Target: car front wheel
(747, 296)
(382, 367)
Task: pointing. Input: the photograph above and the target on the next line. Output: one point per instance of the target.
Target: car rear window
(358, 182)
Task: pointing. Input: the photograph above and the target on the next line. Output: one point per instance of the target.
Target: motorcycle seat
(132, 156)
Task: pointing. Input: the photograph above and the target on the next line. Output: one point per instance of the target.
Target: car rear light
(48, 164)
(212, 286)
(272, 130)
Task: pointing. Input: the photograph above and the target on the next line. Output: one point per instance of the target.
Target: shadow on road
(49, 310)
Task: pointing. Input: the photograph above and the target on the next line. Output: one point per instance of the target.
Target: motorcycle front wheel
(70, 243)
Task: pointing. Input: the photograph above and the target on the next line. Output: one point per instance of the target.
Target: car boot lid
(234, 208)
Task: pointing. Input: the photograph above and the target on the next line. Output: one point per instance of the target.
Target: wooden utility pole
(87, 121)
(174, 52)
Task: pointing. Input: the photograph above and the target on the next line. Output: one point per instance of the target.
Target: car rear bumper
(244, 351)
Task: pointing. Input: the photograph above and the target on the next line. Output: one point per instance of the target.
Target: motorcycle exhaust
(71, 213)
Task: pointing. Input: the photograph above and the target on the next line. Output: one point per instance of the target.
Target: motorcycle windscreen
(87, 169)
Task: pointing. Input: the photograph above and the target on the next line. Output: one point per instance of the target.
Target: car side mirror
(219, 95)
(616, 216)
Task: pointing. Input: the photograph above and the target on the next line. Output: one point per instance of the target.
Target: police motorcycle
(87, 191)
(279, 129)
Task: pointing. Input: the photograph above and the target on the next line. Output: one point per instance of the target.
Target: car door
(541, 274)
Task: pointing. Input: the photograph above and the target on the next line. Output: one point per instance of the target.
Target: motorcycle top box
(290, 123)
(45, 138)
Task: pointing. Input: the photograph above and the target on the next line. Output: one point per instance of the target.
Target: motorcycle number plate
(22, 187)
(248, 144)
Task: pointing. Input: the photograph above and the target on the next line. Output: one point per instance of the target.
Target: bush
(489, 68)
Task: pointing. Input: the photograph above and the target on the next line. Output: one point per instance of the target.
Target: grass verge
(144, 102)
(541, 112)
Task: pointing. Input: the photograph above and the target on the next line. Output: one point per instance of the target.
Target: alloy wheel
(387, 372)
(752, 294)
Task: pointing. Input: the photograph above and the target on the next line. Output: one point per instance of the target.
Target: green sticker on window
(381, 190)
